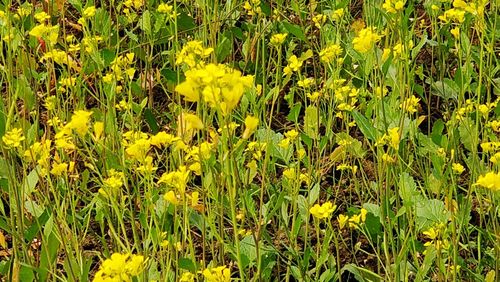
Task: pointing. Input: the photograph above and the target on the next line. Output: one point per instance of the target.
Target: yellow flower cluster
(218, 85)
(252, 7)
(366, 39)
(323, 211)
(120, 267)
(319, 20)
(278, 38)
(13, 138)
(120, 66)
(354, 221)
(217, 274)
(294, 65)
(330, 52)
(346, 98)
(490, 180)
(393, 6)
(49, 33)
(410, 104)
(192, 54)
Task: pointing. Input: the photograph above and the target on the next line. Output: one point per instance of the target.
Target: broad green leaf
(311, 122)
(408, 190)
(446, 89)
(295, 30)
(365, 126)
(430, 212)
(361, 274)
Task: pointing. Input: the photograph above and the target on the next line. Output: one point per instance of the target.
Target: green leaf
(145, 22)
(295, 30)
(224, 49)
(361, 274)
(365, 126)
(430, 212)
(248, 251)
(48, 256)
(151, 120)
(187, 264)
(408, 190)
(293, 115)
(185, 22)
(311, 122)
(446, 89)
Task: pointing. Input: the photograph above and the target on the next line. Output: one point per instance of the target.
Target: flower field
(259, 140)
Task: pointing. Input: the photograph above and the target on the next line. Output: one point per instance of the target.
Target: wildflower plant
(249, 140)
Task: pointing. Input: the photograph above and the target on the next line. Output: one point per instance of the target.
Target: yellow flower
(217, 274)
(138, 149)
(338, 14)
(59, 169)
(410, 105)
(363, 214)
(292, 134)
(187, 277)
(13, 138)
(457, 168)
(290, 173)
(172, 198)
(192, 52)
(323, 211)
(455, 32)
(120, 267)
(251, 124)
(177, 179)
(393, 6)
(319, 20)
(394, 138)
(278, 38)
(365, 40)
(79, 121)
(115, 179)
(329, 53)
(187, 123)
(342, 219)
(162, 139)
(41, 17)
(490, 180)
(220, 86)
(165, 8)
(89, 12)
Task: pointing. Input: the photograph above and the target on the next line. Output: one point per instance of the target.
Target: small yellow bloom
(59, 169)
(251, 124)
(457, 168)
(342, 219)
(217, 274)
(278, 39)
(79, 121)
(172, 198)
(323, 211)
(365, 40)
(13, 138)
(455, 32)
(490, 180)
(89, 12)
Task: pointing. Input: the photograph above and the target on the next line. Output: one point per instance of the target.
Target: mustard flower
(251, 124)
(490, 180)
(323, 211)
(278, 39)
(13, 138)
(120, 267)
(365, 40)
(217, 274)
